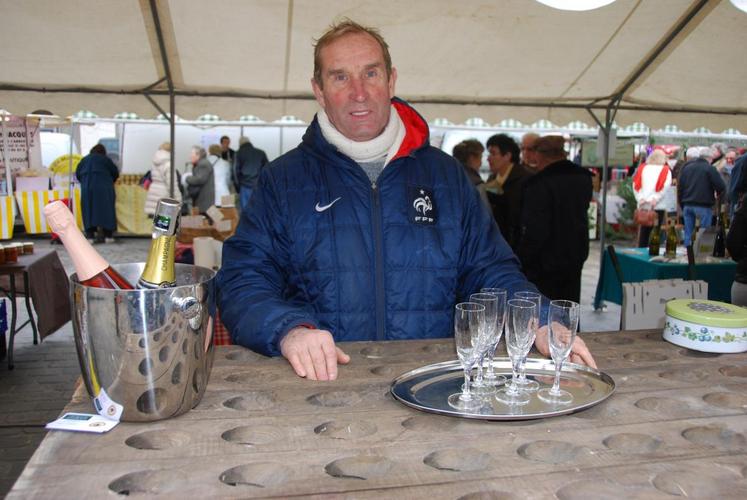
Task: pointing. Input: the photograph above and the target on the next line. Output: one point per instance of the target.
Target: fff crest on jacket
(422, 208)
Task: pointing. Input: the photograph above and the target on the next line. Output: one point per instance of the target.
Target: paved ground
(45, 375)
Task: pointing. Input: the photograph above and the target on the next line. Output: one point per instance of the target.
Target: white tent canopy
(664, 61)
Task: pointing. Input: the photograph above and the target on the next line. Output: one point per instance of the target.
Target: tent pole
(8, 176)
(606, 128)
(170, 86)
(172, 114)
(70, 186)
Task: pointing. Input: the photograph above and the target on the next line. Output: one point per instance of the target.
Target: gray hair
(692, 153)
(707, 153)
(199, 151)
(244, 140)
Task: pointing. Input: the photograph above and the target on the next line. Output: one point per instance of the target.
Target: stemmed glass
(562, 324)
(500, 319)
(520, 331)
(469, 319)
(523, 382)
(487, 336)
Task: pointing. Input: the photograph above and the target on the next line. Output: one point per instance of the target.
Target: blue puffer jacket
(321, 246)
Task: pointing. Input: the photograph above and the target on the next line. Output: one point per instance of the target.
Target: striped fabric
(31, 205)
(8, 215)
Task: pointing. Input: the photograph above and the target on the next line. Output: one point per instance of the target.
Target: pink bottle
(93, 270)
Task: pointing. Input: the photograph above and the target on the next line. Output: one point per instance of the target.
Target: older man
(528, 158)
(555, 231)
(363, 232)
(698, 183)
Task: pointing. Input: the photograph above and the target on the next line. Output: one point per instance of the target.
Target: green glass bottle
(654, 241)
(671, 248)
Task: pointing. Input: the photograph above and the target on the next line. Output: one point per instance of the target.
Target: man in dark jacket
(505, 186)
(698, 182)
(363, 232)
(249, 162)
(226, 152)
(737, 183)
(555, 230)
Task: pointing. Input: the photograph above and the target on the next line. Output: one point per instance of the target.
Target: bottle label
(162, 222)
(159, 269)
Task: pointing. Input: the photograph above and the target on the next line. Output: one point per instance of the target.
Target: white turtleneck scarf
(371, 155)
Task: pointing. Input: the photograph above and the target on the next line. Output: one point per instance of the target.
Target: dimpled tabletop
(675, 426)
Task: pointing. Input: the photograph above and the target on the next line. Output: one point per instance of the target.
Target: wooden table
(44, 281)
(10, 269)
(675, 426)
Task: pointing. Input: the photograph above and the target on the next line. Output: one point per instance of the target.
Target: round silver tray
(427, 389)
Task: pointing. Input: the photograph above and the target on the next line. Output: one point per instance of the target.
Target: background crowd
(540, 200)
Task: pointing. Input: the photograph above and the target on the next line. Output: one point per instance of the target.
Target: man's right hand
(312, 353)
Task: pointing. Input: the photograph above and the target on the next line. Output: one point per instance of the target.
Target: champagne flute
(469, 319)
(490, 376)
(487, 336)
(519, 338)
(562, 324)
(523, 382)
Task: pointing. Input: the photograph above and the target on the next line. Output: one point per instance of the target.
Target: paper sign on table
(82, 422)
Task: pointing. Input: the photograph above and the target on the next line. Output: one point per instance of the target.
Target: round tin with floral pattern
(706, 325)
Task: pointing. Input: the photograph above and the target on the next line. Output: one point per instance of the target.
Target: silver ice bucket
(146, 354)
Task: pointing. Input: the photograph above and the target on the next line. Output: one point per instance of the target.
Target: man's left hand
(579, 352)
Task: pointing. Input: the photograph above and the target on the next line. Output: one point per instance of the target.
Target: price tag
(82, 422)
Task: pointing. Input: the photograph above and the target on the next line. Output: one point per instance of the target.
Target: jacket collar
(416, 134)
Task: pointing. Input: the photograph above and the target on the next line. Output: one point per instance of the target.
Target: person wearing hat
(554, 239)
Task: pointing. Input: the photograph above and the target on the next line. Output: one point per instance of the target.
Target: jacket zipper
(379, 264)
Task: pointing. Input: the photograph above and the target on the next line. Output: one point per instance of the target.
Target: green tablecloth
(636, 266)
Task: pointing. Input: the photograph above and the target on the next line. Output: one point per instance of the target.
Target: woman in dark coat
(96, 174)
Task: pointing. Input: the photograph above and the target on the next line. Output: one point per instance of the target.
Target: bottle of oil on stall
(159, 269)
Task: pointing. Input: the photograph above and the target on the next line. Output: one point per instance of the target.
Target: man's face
(224, 144)
(194, 157)
(527, 151)
(355, 91)
(498, 161)
(730, 157)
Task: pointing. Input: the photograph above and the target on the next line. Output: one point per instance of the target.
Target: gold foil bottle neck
(159, 269)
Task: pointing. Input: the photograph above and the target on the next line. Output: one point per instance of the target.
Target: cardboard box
(194, 221)
(228, 200)
(214, 213)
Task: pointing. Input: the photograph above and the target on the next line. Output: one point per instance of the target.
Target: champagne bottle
(654, 241)
(671, 248)
(93, 270)
(159, 269)
(719, 245)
